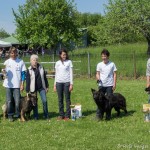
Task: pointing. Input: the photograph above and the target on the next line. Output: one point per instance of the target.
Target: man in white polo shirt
(106, 75)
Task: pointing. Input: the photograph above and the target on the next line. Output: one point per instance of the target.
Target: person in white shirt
(63, 83)
(14, 82)
(106, 75)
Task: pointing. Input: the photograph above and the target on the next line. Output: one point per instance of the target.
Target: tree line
(46, 23)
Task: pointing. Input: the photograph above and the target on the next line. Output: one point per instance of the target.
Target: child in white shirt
(106, 75)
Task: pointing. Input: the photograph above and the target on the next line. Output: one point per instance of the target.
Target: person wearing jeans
(14, 82)
(63, 84)
(36, 81)
(13, 96)
(106, 76)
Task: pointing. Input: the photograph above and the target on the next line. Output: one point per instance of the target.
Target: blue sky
(7, 18)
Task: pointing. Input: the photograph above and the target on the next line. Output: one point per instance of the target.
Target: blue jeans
(63, 89)
(45, 107)
(105, 90)
(13, 101)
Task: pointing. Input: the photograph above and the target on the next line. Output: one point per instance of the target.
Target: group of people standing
(36, 81)
(35, 77)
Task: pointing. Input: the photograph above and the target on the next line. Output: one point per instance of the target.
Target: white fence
(51, 69)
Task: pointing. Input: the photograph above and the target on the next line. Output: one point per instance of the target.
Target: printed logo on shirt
(17, 68)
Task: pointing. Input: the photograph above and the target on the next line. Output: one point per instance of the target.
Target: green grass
(125, 132)
(118, 48)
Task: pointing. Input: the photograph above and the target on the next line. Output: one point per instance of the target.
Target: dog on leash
(27, 103)
(26, 106)
(105, 103)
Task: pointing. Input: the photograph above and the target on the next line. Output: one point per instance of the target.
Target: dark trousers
(106, 90)
(63, 89)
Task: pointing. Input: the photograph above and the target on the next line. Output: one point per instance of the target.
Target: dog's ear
(93, 90)
(34, 94)
(28, 96)
(100, 90)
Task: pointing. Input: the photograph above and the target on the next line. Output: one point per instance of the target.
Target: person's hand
(114, 87)
(46, 90)
(21, 87)
(70, 87)
(148, 85)
(54, 88)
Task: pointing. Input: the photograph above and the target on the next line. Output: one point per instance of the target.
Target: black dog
(105, 103)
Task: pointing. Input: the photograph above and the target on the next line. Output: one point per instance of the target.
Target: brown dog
(27, 104)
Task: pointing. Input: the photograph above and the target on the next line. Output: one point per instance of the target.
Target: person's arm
(46, 81)
(115, 80)
(97, 75)
(71, 79)
(54, 88)
(28, 82)
(71, 76)
(23, 76)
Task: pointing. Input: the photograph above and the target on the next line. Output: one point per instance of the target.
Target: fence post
(89, 66)
(53, 61)
(134, 65)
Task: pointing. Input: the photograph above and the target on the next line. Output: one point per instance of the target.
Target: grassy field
(125, 132)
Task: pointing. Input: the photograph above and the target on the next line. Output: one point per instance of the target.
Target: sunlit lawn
(85, 133)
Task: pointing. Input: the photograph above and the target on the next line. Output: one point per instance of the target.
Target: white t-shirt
(13, 70)
(63, 71)
(106, 73)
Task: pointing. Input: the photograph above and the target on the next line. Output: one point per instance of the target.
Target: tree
(128, 18)
(47, 22)
(3, 34)
(89, 21)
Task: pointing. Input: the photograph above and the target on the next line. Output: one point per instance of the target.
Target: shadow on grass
(88, 112)
(51, 115)
(122, 114)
